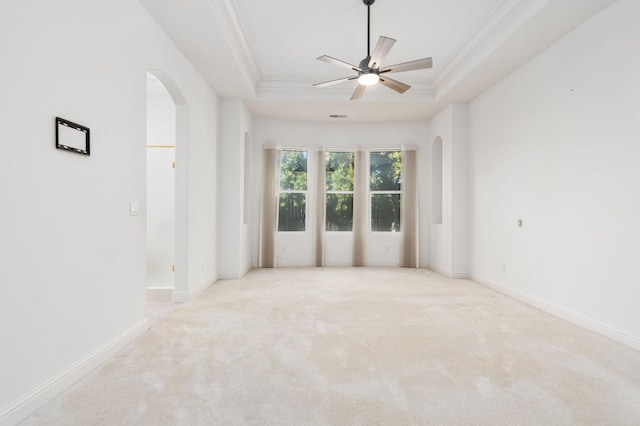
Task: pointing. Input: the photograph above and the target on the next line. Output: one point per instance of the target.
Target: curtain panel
(269, 208)
(409, 210)
(320, 206)
(360, 205)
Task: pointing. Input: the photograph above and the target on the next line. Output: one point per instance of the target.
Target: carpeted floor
(357, 346)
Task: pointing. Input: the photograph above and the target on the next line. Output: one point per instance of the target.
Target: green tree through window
(292, 206)
(385, 185)
(339, 191)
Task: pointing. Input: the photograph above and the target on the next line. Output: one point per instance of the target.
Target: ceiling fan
(369, 71)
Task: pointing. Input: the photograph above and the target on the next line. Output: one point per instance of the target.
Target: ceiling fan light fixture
(368, 79)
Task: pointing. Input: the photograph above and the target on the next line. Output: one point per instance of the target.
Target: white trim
(438, 270)
(305, 148)
(182, 296)
(589, 324)
(452, 275)
(159, 294)
(468, 49)
(460, 275)
(397, 148)
(341, 149)
(226, 16)
(377, 264)
(277, 147)
(36, 398)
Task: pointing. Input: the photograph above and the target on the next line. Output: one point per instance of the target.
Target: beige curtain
(360, 195)
(269, 214)
(409, 211)
(320, 207)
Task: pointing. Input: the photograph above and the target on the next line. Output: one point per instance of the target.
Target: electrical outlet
(504, 267)
(134, 208)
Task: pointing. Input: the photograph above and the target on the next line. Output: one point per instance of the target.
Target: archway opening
(160, 194)
(166, 205)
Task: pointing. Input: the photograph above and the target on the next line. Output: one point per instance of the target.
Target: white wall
(73, 259)
(296, 249)
(556, 144)
(447, 241)
(234, 255)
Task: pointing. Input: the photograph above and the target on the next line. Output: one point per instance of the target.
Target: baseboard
(184, 296)
(383, 263)
(460, 275)
(452, 275)
(159, 294)
(233, 276)
(39, 396)
(572, 317)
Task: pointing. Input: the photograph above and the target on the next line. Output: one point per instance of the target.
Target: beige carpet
(357, 346)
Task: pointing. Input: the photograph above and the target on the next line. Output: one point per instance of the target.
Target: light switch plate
(134, 208)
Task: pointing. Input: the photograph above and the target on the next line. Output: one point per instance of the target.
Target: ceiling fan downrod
(366, 75)
(368, 3)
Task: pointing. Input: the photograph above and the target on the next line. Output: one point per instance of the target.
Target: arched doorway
(166, 188)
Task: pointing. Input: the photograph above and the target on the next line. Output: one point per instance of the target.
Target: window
(339, 191)
(292, 202)
(385, 184)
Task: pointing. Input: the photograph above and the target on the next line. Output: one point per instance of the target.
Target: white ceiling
(264, 52)
(285, 46)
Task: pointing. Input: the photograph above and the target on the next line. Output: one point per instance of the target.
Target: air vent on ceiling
(337, 116)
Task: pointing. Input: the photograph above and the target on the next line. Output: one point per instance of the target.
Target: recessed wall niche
(247, 178)
(436, 181)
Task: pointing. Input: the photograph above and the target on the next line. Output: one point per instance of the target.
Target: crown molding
(226, 16)
(515, 33)
(466, 50)
(496, 31)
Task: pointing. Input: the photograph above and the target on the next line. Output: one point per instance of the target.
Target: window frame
(294, 191)
(327, 192)
(381, 192)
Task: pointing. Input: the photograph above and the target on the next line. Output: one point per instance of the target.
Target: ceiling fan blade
(332, 82)
(381, 50)
(420, 64)
(331, 60)
(358, 92)
(394, 85)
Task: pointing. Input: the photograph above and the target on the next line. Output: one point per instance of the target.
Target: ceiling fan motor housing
(368, 2)
(364, 66)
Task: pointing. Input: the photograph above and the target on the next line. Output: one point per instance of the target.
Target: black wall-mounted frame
(72, 137)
